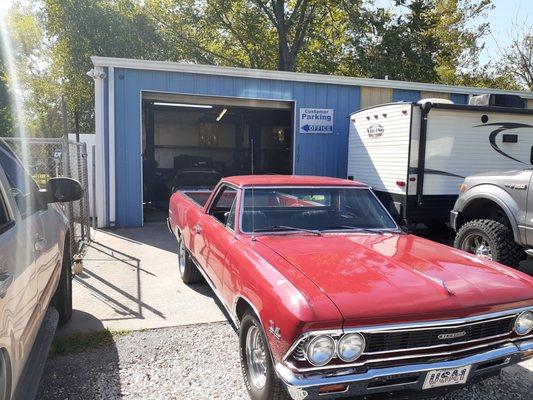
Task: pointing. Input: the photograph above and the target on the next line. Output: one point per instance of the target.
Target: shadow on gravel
(90, 371)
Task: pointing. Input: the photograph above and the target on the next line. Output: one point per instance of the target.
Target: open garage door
(192, 141)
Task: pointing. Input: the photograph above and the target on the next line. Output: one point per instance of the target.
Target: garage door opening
(190, 142)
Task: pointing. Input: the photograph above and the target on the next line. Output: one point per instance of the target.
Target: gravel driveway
(196, 362)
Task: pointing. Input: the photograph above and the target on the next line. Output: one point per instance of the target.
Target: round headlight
(320, 350)
(350, 347)
(524, 323)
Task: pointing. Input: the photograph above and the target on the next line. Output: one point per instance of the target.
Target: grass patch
(79, 342)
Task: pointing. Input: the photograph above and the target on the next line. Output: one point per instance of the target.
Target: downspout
(98, 74)
(426, 108)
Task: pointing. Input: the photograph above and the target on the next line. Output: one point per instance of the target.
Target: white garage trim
(112, 188)
(291, 76)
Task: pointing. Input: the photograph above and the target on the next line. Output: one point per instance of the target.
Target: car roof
(289, 180)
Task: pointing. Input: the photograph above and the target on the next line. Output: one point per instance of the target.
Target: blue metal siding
(405, 95)
(459, 98)
(314, 154)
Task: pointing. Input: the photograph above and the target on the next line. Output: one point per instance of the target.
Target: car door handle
(197, 229)
(6, 279)
(40, 244)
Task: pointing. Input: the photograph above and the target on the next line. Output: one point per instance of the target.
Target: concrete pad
(131, 281)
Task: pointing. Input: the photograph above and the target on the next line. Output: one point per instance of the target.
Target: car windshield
(313, 209)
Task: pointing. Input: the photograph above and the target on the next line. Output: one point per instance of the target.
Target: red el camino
(333, 300)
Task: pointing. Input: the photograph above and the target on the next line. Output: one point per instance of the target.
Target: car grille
(391, 345)
(378, 342)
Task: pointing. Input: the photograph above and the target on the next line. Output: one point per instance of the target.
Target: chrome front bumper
(403, 377)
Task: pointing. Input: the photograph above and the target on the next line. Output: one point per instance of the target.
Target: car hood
(384, 278)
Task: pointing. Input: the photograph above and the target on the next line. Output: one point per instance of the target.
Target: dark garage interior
(190, 142)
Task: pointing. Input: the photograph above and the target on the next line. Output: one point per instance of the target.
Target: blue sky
(500, 18)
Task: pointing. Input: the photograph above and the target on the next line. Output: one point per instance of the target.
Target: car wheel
(62, 300)
(260, 378)
(491, 240)
(188, 271)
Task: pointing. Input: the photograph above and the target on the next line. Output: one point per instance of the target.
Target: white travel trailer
(415, 155)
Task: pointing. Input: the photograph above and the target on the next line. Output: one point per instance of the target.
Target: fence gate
(45, 158)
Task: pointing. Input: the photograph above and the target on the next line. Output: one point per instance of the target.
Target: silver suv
(493, 216)
(35, 270)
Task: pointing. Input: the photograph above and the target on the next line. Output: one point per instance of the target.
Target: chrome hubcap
(479, 246)
(182, 258)
(256, 357)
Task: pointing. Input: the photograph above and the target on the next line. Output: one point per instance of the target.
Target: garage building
(163, 125)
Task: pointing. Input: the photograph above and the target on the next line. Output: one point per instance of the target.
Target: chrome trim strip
(303, 381)
(436, 324)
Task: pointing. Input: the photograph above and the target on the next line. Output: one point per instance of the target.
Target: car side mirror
(61, 190)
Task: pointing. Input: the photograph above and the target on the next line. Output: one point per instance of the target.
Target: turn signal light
(463, 188)
(333, 389)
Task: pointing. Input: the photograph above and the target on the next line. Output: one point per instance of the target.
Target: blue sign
(316, 120)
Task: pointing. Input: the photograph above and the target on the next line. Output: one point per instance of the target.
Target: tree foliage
(517, 58)
(6, 120)
(416, 40)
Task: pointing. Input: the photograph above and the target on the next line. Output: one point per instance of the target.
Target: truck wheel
(62, 300)
(188, 271)
(489, 239)
(256, 364)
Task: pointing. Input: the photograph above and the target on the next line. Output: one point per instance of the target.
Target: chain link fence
(45, 158)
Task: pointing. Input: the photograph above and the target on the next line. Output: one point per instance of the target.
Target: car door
(19, 305)
(218, 234)
(45, 242)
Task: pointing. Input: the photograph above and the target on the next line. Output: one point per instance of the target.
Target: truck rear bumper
(401, 378)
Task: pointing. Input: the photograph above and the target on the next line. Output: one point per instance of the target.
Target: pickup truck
(35, 271)
(493, 216)
(333, 300)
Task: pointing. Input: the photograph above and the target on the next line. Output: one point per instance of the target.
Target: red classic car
(333, 300)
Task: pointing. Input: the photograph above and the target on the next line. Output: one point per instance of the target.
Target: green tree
(79, 29)
(422, 40)
(6, 120)
(517, 58)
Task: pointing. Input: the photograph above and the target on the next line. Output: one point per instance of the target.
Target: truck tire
(260, 378)
(489, 239)
(62, 300)
(188, 271)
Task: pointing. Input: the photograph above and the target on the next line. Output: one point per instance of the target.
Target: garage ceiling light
(183, 105)
(221, 114)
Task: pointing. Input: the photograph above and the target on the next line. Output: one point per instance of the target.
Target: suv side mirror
(61, 190)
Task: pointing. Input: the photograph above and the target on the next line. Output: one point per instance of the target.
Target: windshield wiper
(357, 228)
(287, 228)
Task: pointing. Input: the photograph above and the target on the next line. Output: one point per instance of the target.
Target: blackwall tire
(496, 235)
(62, 300)
(188, 271)
(273, 388)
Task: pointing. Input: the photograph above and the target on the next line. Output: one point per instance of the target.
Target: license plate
(447, 376)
